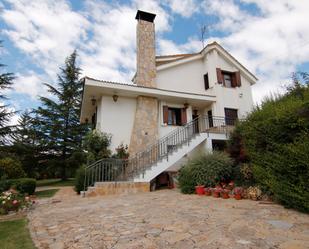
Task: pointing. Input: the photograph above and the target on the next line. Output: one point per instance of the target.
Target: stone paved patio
(164, 219)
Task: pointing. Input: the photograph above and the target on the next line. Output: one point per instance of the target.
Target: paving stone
(164, 219)
(280, 224)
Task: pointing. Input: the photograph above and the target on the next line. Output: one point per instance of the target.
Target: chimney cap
(146, 16)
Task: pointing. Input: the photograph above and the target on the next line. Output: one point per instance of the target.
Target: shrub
(79, 179)
(11, 168)
(24, 185)
(4, 184)
(13, 201)
(205, 169)
(275, 137)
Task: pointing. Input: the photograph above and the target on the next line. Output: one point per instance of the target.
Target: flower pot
(216, 194)
(207, 192)
(237, 196)
(200, 190)
(225, 195)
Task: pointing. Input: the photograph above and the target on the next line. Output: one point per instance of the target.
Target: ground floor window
(174, 116)
(218, 145)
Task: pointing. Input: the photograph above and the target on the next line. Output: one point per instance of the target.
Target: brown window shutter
(206, 81)
(219, 75)
(165, 114)
(183, 116)
(234, 80)
(238, 79)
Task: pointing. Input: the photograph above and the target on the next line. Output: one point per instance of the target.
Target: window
(174, 116)
(206, 81)
(230, 116)
(228, 81)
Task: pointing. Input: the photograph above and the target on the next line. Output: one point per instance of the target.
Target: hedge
(275, 137)
(23, 185)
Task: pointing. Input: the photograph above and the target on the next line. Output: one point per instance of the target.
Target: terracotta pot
(207, 192)
(225, 195)
(237, 196)
(200, 190)
(216, 194)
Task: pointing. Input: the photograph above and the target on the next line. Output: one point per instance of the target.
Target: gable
(224, 57)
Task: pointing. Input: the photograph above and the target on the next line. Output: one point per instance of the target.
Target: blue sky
(271, 38)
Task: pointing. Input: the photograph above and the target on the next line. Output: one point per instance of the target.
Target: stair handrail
(169, 136)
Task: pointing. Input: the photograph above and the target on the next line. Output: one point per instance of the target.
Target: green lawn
(46, 193)
(15, 235)
(55, 182)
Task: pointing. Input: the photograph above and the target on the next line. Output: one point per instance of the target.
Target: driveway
(164, 219)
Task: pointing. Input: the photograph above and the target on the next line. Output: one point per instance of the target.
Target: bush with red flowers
(13, 201)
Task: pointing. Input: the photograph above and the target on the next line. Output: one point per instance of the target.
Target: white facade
(179, 82)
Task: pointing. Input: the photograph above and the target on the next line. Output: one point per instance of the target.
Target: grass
(55, 182)
(46, 193)
(15, 235)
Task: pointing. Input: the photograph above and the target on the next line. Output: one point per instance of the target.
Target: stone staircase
(117, 176)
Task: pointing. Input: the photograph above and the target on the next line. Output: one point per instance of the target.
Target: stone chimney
(146, 49)
(145, 128)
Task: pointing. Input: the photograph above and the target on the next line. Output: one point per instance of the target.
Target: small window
(206, 81)
(174, 116)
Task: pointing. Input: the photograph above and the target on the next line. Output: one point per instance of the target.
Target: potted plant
(225, 193)
(216, 192)
(208, 191)
(200, 189)
(238, 191)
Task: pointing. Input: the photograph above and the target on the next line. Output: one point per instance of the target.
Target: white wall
(188, 77)
(239, 98)
(116, 118)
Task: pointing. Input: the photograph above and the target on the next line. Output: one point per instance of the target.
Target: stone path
(164, 219)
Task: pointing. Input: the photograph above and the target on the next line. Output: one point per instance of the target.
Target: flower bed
(12, 201)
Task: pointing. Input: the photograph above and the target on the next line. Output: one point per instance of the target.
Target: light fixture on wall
(115, 97)
(93, 101)
(186, 105)
(240, 95)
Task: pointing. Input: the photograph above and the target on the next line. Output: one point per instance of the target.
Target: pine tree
(59, 116)
(26, 143)
(6, 81)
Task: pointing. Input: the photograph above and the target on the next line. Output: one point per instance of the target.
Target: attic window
(228, 79)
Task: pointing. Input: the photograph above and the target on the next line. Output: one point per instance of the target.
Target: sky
(271, 38)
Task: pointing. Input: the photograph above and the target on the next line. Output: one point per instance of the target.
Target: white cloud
(185, 8)
(30, 84)
(45, 30)
(270, 45)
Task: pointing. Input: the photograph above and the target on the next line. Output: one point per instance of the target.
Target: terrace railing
(111, 169)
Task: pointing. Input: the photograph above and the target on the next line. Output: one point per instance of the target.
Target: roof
(167, 59)
(147, 87)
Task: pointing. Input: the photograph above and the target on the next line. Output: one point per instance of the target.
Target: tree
(26, 145)
(6, 81)
(58, 117)
(96, 144)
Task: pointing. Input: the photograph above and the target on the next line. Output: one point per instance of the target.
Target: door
(196, 125)
(210, 120)
(230, 116)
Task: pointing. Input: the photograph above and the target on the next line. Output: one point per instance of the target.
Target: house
(176, 106)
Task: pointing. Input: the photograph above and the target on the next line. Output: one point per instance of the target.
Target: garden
(267, 157)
